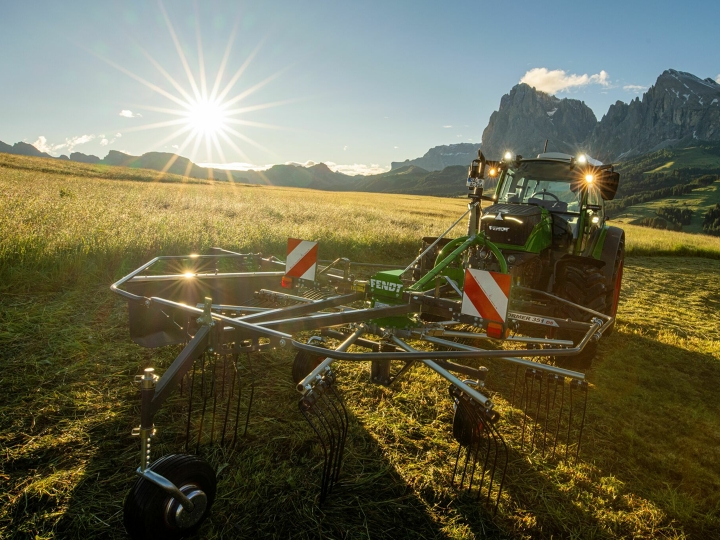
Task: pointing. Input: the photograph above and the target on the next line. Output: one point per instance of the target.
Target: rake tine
(336, 428)
(539, 377)
(214, 395)
(252, 393)
(204, 397)
(328, 468)
(584, 388)
(528, 375)
(306, 408)
(504, 469)
(560, 382)
(237, 411)
(344, 423)
(491, 435)
(190, 402)
(567, 440)
(512, 398)
(231, 393)
(550, 380)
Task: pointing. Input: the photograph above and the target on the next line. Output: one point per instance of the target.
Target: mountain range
(679, 110)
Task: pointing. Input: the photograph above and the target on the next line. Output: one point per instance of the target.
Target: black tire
(146, 505)
(303, 364)
(585, 286)
(614, 287)
(464, 425)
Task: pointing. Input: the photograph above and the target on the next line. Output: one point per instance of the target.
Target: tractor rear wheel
(583, 285)
(613, 291)
(303, 364)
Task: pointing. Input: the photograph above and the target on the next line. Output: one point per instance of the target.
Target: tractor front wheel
(584, 286)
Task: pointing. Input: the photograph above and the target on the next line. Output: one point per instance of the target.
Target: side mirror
(607, 183)
(477, 167)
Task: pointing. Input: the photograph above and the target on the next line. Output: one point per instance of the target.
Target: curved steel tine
(324, 422)
(231, 393)
(512, 397)
(204, 396)
(485, 438)
(561, 383)
(550, 380)
(475, 438)
(504, 466)
(539, 377)
(567, 440)
(492, 433)
(583, 388)
(213, 392)
(344, 423)
(306, 410)
(252, 392)
(336, 426)
(528, 399)
(190, 404)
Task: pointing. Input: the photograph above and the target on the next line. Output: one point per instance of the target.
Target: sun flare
(207, 118)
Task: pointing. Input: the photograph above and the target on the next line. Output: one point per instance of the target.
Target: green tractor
(547, 217)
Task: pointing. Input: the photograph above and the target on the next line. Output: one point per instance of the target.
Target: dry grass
(650, 466)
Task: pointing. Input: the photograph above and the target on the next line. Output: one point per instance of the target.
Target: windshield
(544, 184)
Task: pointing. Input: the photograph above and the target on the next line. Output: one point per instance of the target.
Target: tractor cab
(552, 201)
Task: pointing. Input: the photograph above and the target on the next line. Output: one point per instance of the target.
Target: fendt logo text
(499, 229)
(385, 285)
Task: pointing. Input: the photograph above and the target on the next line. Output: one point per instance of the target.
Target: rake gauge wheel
(303, 364)
(152, 513)
(464, 425)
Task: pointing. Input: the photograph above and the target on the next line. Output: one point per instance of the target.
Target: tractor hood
(510, 224)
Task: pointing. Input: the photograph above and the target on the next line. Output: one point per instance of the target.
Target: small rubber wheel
(303, 364)
(464, 425)
(152, 513)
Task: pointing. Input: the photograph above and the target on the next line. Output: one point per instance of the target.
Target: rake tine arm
(477, 396)
(305, 384)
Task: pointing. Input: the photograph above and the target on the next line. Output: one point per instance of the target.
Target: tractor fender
(610, 246)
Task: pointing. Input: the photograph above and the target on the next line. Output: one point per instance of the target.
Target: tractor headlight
(508, 156)
(582, 159)
(595, 220)
(589, 178)
(492, 172)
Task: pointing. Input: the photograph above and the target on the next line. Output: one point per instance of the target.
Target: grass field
(699, 201)
(650, 466)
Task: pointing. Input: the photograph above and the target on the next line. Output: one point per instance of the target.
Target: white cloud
(118, 135)
(104, 142)
(717, 79)
(446, 127)
(345, 147)
(635, 88)
(42, 144)
(77, 141)
(129, 114)
(558, 80)
(351, 170)
(357, 168)
(175, 146)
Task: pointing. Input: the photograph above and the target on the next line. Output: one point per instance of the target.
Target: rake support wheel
(152, 513)
(303, 364)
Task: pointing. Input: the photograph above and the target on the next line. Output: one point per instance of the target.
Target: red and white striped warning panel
(301, 259)
(485, 294)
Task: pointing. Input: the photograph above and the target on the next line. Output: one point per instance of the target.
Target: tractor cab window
(554, 195)
(542, 183)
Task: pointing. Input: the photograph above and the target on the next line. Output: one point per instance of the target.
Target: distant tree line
(613, 208)
(679, 216)
(659, 223)
(711, 223)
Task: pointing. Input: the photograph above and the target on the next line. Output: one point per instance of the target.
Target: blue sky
(358, 84)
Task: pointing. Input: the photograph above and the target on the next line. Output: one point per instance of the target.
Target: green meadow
(650, 464)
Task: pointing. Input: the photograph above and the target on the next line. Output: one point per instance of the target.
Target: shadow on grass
(648, 465)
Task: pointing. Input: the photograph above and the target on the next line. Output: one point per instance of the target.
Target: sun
(206, 118)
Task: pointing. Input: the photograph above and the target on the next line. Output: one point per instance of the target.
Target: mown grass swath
(649, 465)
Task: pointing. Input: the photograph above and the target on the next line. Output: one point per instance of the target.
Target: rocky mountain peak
(527, 117)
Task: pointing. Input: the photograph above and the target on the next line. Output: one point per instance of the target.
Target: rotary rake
(457, 305)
